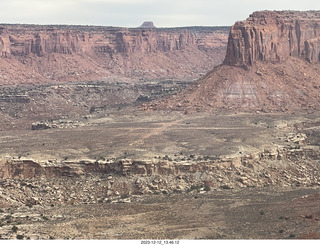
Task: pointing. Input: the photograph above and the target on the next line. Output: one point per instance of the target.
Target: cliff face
(73, 53)
(274, 36)
(272, 64)
(112, 41)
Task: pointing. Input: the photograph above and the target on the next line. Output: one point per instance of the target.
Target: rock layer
(31, 53)
(274, 36)
(272, 64)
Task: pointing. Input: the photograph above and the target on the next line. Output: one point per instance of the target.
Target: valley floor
(119, 172)
(248, 213)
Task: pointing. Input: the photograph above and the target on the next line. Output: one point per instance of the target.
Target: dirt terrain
(259, 213)
(131, 174)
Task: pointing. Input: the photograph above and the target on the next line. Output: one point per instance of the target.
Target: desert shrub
(45, 218)
(207, 188)
(14, 229)
(225, 187)
(195, 187)
(177, 191)
(126, 195)
(29, 204)
(20, 237)
(292, 235)
(8, 216)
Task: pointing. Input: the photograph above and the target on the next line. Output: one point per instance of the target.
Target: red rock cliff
(280, 54)
(274, 36)
(73, 53)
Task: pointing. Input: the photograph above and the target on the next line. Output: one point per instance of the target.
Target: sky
(132, 13)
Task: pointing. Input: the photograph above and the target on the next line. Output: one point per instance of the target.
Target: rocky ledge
(28, 182)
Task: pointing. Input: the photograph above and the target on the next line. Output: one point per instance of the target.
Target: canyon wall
(274, 36)
(32, 53)
(271, 64)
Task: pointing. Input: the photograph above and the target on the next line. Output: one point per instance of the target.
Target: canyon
(161, 133)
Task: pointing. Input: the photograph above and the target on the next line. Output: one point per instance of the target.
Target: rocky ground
(247, 213)
(239, 175)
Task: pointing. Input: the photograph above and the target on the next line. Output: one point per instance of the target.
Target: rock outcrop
(107, 180)
(272, 64)
(31, 53)
(273, 36)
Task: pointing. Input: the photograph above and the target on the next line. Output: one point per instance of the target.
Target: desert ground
(214, 187)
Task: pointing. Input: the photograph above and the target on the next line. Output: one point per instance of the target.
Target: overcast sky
(131, 13)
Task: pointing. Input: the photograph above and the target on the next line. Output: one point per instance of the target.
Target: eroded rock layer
(42, 54)
(272, 64)
(274, 36)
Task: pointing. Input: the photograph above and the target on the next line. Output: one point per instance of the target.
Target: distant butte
(147, 24)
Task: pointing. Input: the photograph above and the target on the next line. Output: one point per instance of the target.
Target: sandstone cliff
(31, 53)
(274, 36)
(272, 64)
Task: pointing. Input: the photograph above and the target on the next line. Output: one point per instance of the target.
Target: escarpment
(44, 54)
(271, 64)
(273, 36)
